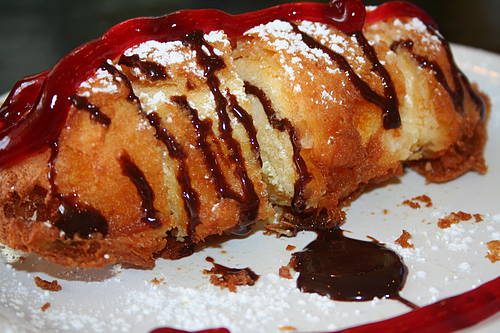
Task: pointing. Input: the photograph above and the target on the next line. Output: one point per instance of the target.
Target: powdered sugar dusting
(9, 255)
(401, 28)
(288, 44)
(101, 82)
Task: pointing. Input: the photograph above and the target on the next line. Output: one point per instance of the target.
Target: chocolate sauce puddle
(347, 269)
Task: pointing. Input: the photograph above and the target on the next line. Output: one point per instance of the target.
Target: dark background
(34, 34)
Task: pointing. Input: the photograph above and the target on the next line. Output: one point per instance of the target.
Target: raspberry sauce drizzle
(44, 107)
(448, 315)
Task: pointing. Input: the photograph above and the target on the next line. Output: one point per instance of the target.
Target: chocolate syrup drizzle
(247, 121)
(391, 117)
(457, 94)
(458, 76)
(249, 200)
(152, 70)
(284, 125)
(74, 217)
(189, 196)
(36, 110)
(347, 269)
(82, 103)
(389, 102)
(203, 129)
(44, 104)
(146, 193)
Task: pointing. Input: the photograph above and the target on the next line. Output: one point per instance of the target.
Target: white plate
(444, 262)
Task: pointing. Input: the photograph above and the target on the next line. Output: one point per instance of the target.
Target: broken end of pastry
(467, 154)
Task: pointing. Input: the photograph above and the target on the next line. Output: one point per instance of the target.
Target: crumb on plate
(403, 240)
(46, 285)
(44, 307)
(493, 250)
(284, 272)
(453, 218)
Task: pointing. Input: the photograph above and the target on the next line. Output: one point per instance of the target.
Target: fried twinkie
(147, 141)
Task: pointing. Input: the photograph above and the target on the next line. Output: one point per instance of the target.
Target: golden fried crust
(344, 143)
(340, 131)
(464, 155)
(89, 166)
(190, 182)
(448, 140)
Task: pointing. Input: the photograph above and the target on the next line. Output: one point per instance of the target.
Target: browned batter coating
(151, 164)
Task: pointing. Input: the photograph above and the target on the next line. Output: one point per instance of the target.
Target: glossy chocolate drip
(456, 93)
(387, 103)
(204, 132)
(457, 96)
(146, 193)
(152, 70)
(121, 77)
(80, 219)
(347, 269)
(458, 76)
(247, 120)
(211, 63)
(74, 218)
(284, 125)
(390, 115)
(82, 103)
(189, 196)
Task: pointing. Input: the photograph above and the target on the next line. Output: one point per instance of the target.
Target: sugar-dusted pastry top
(169, 130)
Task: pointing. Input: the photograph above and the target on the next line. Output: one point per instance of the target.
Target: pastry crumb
(284, 272)
(403, 240)
(46, 285)
(290, 247)
(385, 211)
(425, 199)
(453, 218)
(157, 281)
(478, 218)
(411, 204)
(287, 328)
(230, 278)
(493, 250)
(417, 201)
(44, 307)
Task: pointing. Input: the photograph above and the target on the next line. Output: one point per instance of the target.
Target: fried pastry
(169, 130)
